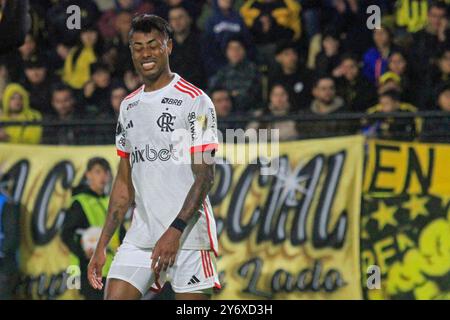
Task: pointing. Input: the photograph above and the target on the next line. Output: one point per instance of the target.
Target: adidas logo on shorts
(193, 280)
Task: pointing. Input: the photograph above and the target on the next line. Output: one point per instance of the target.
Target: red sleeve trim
(122, 154)
(205, 147)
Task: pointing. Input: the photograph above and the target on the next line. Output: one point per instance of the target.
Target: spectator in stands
(223, 104)
(329, 57)
(4, 77)
(77, 65)
(224, 23)
(389, 127)
(194, 7)
(439, 76)
(357, 92)
(432, 38)
(58, 55)
(399, 65)
(97, 90)
(270, 21)
(438, 129)
(389, 81)
(104, 134)
(14, 24)
(107, 24)
(16, 107)
(66, 110)
(117, 51)
(376, 58)
(9, 244)
(326, 102)
(131, 80)
(325, 99)
(38, 82)
(57, 20)
(186, 58)
(279, 106)
(16, 60)
(240, 77)
(412, 14)
(290, 71)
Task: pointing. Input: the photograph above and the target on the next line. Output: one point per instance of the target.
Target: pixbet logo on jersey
(151, 154)
(176, 102)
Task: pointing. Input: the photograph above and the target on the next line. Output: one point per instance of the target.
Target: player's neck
(163, 80)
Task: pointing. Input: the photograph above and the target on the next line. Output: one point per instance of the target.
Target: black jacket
(11, 229)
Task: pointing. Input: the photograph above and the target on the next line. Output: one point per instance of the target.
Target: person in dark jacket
(9, 244)
(88, 214)
(358, 93)
(186, 57)
(224, 23)
(14, 24)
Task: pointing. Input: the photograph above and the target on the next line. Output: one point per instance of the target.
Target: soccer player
(173, 234)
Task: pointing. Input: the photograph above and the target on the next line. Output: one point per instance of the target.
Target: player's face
(150, 53)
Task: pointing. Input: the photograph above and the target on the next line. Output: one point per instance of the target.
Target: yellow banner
(293, 235)
(406, 219)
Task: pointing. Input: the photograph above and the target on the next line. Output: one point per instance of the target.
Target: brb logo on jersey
(165, 122)
(176, 102)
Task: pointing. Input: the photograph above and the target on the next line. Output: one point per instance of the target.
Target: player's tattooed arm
(122, 195)
(203, 168)
(167, 246)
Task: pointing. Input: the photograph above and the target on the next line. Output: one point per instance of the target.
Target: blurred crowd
(254, 58)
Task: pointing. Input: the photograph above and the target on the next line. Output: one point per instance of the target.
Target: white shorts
(192, 272)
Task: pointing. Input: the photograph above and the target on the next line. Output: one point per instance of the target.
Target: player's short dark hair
(148, 22)
(102, 162)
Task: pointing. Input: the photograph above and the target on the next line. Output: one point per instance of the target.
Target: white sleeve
(122, 143)
(201, 122)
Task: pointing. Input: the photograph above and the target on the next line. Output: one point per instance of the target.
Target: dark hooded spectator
(279, 106)
(376, 59)
(439, 76)
(97, 90)
(186, 58)
(107, 22)
(357, 92)
(225, 22)
(389, 127)
(240, 77)
(38, 82)
(437, 129)
(290, 71)
(16, 107)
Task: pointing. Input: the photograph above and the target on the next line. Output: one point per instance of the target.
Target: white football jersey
(148, 133)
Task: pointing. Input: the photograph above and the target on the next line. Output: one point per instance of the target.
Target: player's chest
(154, 121)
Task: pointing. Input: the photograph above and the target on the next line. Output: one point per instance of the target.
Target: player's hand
(165, 250)
(95, 268)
